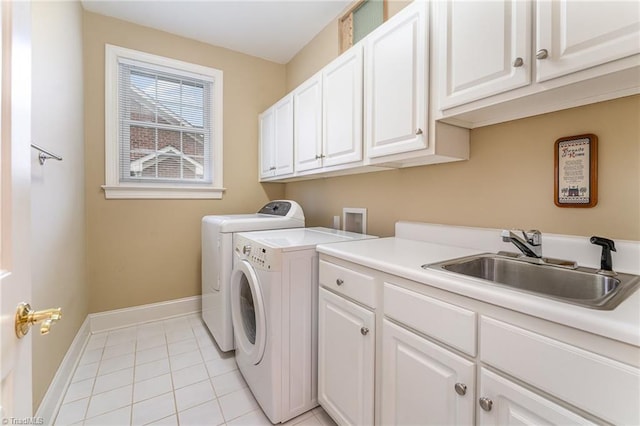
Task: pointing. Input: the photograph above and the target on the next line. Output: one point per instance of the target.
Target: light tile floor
(167, 372)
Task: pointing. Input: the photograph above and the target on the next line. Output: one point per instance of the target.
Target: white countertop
(404, 257)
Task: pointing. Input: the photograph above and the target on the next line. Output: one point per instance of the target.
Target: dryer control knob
(246, 250)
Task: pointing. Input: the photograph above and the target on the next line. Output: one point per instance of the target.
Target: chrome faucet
(530, 244)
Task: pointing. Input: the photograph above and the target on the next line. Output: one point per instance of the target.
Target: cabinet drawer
(355, 285)
(601, 386)
(448, 323)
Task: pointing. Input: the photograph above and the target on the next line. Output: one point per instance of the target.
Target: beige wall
(508, 182)
(57, 188)
(146, 251)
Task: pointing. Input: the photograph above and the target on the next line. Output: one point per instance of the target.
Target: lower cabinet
(346, 355)
(423, 383)
(502, 402)
(444, 361)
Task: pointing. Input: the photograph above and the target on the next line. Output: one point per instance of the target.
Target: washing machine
(274, 306)
(217, 259)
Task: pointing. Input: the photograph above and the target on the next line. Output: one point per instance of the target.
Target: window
(163, 127)
(360, 20)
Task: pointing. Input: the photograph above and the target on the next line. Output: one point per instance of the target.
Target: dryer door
(248, 312)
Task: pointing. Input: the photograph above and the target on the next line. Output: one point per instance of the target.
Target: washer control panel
(260, 257)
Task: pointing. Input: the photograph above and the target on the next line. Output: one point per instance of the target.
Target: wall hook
(45, 155)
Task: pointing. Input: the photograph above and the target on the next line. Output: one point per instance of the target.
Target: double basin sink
(577, 285)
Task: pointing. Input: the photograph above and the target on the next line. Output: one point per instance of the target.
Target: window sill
(161, 192)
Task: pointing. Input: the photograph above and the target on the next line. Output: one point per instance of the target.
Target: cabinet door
(507, 403)
(267, 144)
(283, 123)
(582, 34)
(307, 101)
(342, 109)
(423, 383)
(395, 84)
(484, 48)
(346, 345)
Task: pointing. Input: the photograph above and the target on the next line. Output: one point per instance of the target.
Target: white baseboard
(103, 321)
(52, 399)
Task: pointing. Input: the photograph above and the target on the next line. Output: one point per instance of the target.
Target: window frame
(345, 24)
(114, 188)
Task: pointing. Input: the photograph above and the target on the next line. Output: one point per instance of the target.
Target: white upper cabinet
(342, 109)
(368, 110)
(328, 114)
(575, 35)
(276, 139)
(484, 48)
(307, 100)
(267, 144)
(396, 84)
(509, 59)
(284, 136)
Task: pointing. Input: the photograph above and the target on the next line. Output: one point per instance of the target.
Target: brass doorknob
(26, 317)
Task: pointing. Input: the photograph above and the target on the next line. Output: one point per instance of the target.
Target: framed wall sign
(576, 171)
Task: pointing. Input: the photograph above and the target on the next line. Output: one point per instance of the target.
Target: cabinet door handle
(364, 331)
(339, 281)
(485, 403)
(272, 168)
(518, 63)
(461, 388)
(542, 54)
(418, 132)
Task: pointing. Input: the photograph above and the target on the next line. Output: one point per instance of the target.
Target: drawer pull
(461, 388)
(485, 403)
(364, 331)
(339, 281)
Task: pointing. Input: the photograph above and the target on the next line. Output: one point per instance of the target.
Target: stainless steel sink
(580, 286)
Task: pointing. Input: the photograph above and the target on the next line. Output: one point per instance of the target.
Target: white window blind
(165, 126)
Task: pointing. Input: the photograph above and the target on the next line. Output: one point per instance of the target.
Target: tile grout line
(133, 381)
(173, 387)
(95, 379)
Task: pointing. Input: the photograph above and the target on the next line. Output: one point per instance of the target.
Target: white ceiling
(273, 30)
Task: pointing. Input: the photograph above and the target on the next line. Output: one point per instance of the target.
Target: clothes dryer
(217, 259)
(274, 305)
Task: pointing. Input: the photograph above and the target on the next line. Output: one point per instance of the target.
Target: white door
(15, 192)
(248, 312)
(307, 100)
(283, 121)
(575, 35)
(423, 383)
(267, 144)
(346, 351)
(396, 83)
(502, 402)
(484, 48)
(342, 109)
